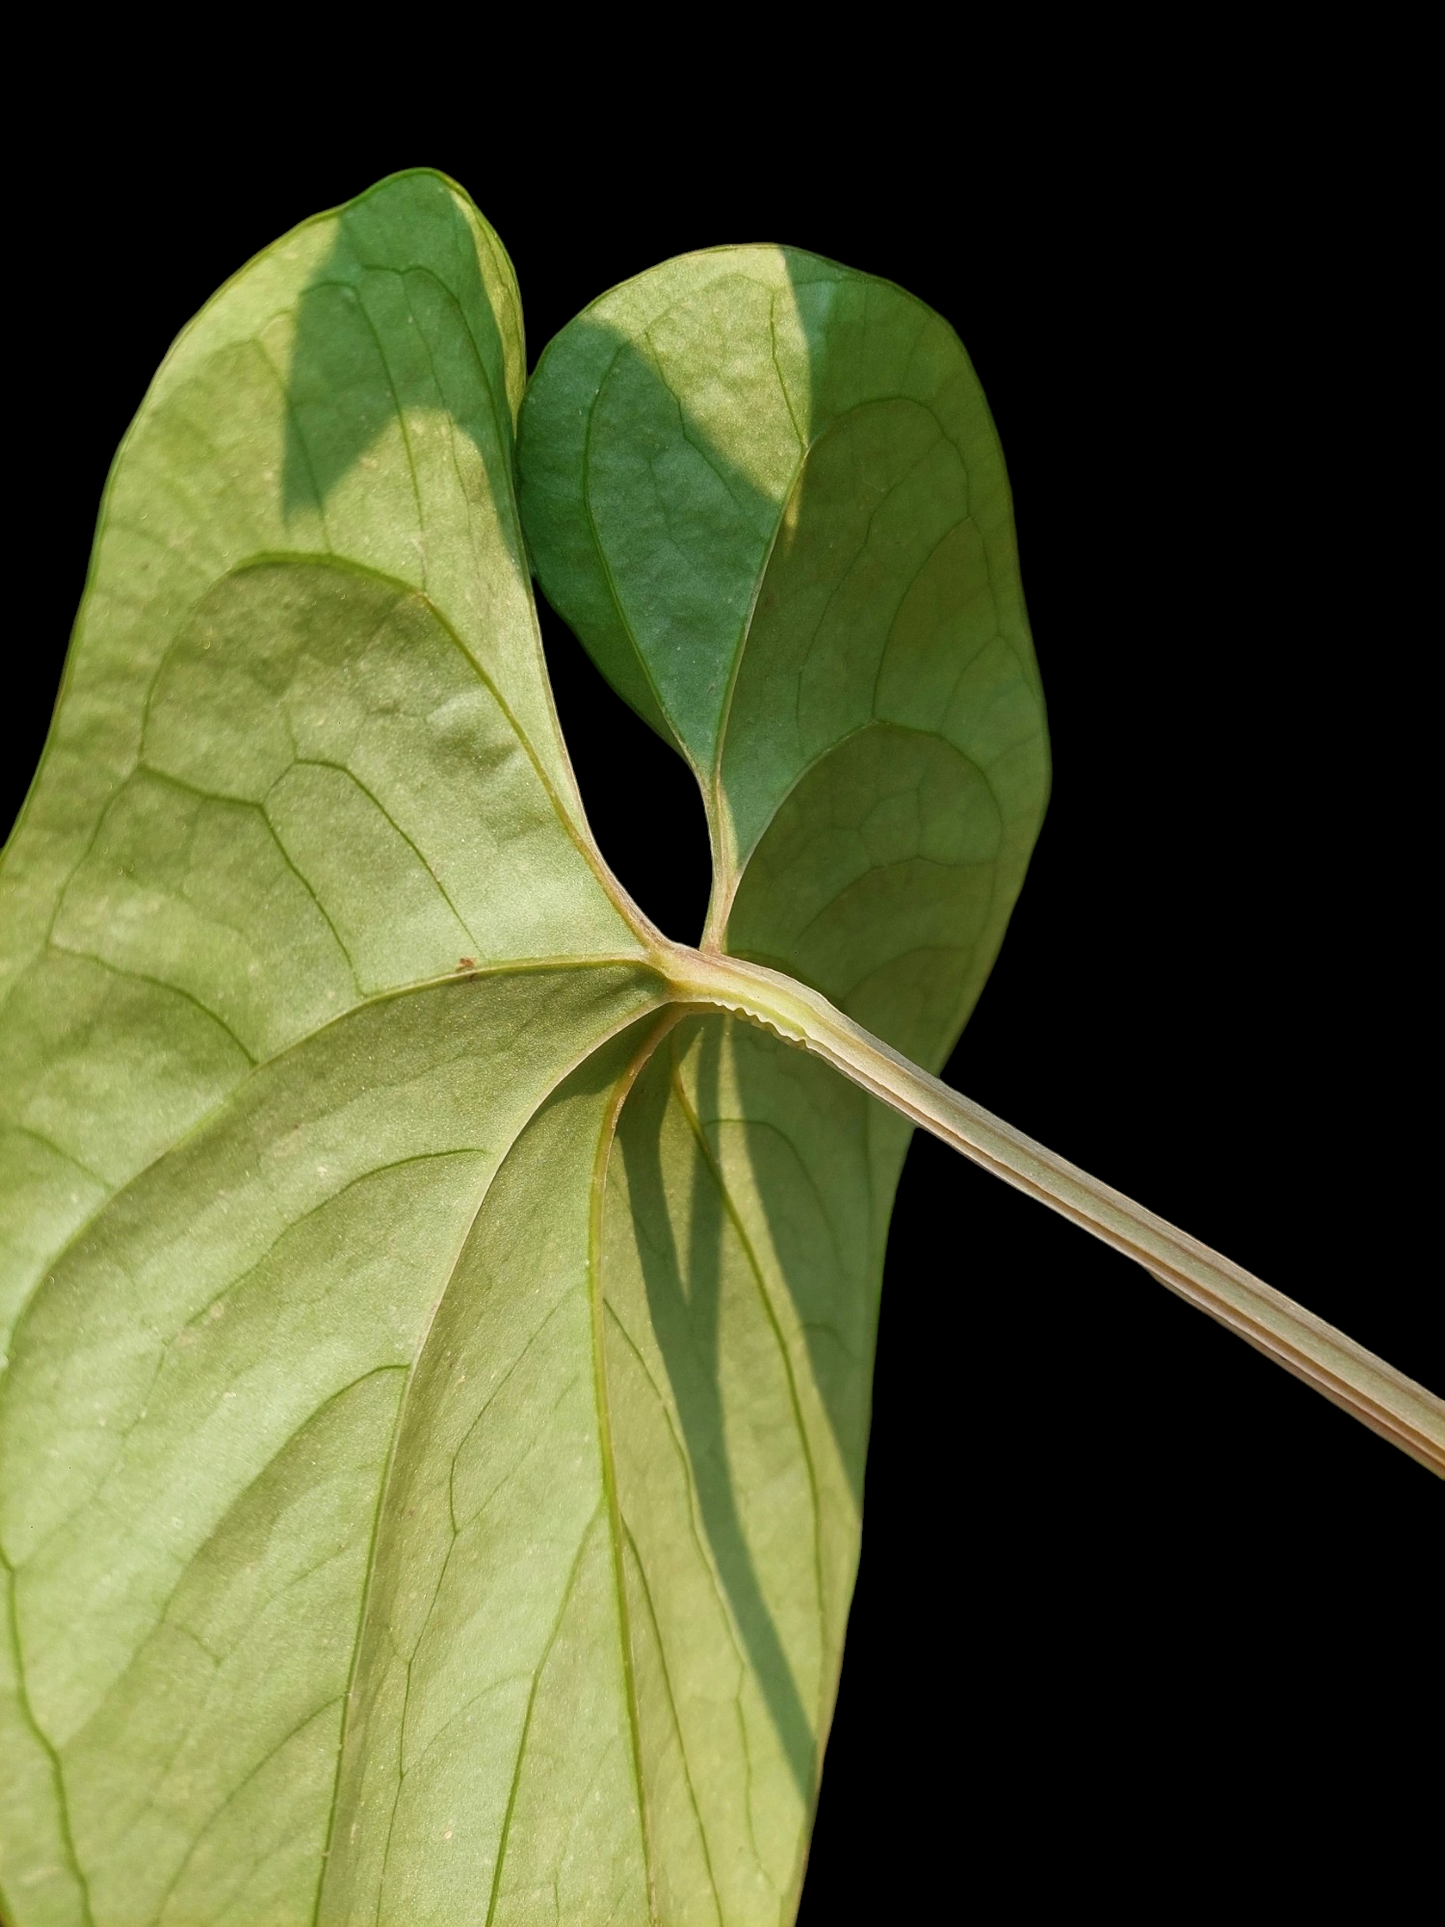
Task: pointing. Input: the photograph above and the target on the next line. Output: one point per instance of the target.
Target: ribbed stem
(1379, 1396)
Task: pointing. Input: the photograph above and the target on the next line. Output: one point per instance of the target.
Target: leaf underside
(438, 1388)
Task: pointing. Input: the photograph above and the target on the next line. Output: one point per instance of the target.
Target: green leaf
(767, 494)
(438, 1389)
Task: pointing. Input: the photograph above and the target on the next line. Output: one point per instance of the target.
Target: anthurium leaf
(767, 493)
(432, 1440)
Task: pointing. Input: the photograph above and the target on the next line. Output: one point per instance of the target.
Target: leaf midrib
(607, 1454)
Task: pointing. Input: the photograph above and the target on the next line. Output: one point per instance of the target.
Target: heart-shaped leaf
(432, 1441)
(434, 1428)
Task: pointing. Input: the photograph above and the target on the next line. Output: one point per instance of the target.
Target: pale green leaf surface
(432, 1447)
(304, 609)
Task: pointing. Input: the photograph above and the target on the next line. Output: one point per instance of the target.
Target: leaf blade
(767, 492)
(203, 491)
(337, 837)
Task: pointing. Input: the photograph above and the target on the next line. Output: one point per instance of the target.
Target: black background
(1134, 1607)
